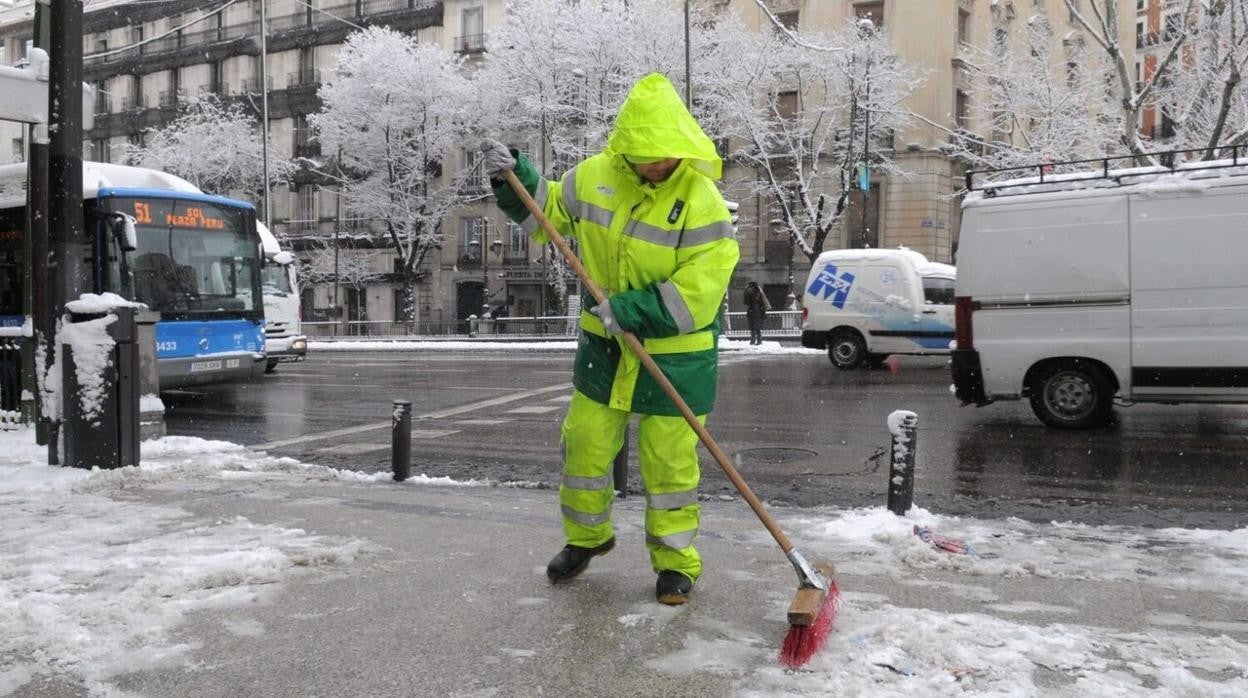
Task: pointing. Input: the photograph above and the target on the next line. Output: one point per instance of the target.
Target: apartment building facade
(143, 58)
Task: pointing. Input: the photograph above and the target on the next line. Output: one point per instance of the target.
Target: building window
(789, 20)
(404, 308)
(305, 207)
(1173, 27)
(101, 97)
(473, 176)
(517, 241)
(786, 105)
(99, 150)
(471, 230)
(873, 11)
(1074, 8)
(1139, 35)
(1139, 4)
(472, 30)
(961, 109)
(964, 26)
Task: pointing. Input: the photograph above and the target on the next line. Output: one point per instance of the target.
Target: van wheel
(1072, 395)
(846, 349)
(270, 367)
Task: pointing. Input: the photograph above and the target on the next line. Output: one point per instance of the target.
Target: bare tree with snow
(214, 145)
(1194, 84)
(807, 116)
(395, 110)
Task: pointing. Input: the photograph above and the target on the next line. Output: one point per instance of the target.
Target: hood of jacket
(654, 123)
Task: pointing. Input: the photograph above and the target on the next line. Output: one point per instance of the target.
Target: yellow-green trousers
(592, 434)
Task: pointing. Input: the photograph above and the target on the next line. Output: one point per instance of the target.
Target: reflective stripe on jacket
(663, 254)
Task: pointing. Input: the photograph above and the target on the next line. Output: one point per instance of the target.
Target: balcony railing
(305, 77)
(470, 43)
(252, 85)
(134, 103)
(170, 98)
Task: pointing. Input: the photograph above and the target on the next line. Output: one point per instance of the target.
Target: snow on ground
(93, 586)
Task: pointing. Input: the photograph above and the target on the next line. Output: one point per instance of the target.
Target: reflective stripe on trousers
(592, 435)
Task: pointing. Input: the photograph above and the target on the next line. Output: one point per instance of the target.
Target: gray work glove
(603, 311)
(496, 158)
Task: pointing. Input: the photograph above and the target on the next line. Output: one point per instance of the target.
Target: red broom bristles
(803, 641)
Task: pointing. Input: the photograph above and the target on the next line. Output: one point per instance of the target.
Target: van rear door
(1189, 295)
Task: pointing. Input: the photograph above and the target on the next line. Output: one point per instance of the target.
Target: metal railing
(470, 43)
(780, 324)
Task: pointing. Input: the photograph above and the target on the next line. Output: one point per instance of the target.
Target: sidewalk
(213, 571)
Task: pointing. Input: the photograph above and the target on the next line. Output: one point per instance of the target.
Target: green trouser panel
(668, 454)
(592, 435)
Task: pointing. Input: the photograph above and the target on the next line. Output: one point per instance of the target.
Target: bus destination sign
(189, 217)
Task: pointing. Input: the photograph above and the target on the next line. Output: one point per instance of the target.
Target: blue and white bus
(196, 260)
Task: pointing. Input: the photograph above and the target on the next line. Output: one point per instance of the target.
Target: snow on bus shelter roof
(95, 176)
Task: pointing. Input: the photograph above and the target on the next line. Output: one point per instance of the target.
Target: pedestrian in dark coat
(756, 308)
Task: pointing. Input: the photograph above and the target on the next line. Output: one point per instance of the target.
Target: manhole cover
(772, 456)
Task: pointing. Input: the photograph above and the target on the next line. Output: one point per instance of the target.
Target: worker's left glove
(603, 311)
(496, 158)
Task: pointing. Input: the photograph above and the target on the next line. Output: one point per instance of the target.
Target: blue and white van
(863, 305)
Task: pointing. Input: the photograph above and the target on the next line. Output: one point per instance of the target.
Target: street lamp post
(866, 27)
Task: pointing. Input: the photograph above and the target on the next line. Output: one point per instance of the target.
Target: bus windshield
(194, 258)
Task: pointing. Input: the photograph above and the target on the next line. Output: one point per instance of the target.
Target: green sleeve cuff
(507, 199)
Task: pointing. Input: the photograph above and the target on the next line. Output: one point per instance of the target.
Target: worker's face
(655, 172)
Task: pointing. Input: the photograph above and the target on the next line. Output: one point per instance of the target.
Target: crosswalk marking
(440, 414)
(347, 449)
(534, 409)
(561, 398)
(483, 422)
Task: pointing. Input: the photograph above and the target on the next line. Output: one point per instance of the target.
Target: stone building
(144, 57)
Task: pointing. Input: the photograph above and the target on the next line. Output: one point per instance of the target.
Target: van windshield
(937, 290)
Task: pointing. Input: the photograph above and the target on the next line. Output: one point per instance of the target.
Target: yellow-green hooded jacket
(663, 252)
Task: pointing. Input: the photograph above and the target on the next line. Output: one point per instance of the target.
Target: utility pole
(264, 112)
(68, 246)
(39, 305)
(688, 63)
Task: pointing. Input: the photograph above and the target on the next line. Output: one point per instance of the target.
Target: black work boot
(573, 560)
(673, 588)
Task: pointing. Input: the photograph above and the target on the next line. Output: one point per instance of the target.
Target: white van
(1131, 285)
(863, 305)
(283, 334)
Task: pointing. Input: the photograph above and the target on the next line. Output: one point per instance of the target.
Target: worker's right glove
(603, 311)
(496, 158)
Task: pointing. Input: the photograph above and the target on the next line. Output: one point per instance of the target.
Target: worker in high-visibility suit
(655, 234)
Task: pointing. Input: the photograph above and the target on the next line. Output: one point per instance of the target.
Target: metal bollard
(401, 440)
(619, 470)
(904, 427)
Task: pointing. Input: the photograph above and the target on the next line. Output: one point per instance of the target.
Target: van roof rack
(1112, 169)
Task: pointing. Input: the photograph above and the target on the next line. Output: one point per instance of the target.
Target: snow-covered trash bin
(99, 358)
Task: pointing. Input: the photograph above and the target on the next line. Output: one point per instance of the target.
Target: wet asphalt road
(801, 432)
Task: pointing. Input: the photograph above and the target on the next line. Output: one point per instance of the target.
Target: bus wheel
(846, 349)
(1072, 394)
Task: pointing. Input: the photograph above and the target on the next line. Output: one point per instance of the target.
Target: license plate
(197, 366)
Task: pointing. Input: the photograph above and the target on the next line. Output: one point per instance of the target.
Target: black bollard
(905, 430)
(401, 440)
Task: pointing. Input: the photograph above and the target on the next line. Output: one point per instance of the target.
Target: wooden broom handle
(636, 347)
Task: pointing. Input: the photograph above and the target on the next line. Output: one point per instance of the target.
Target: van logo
(828, 285)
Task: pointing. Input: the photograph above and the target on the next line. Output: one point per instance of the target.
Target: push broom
(814, 605)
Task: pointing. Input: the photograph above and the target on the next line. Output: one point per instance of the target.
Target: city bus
(195, 258)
